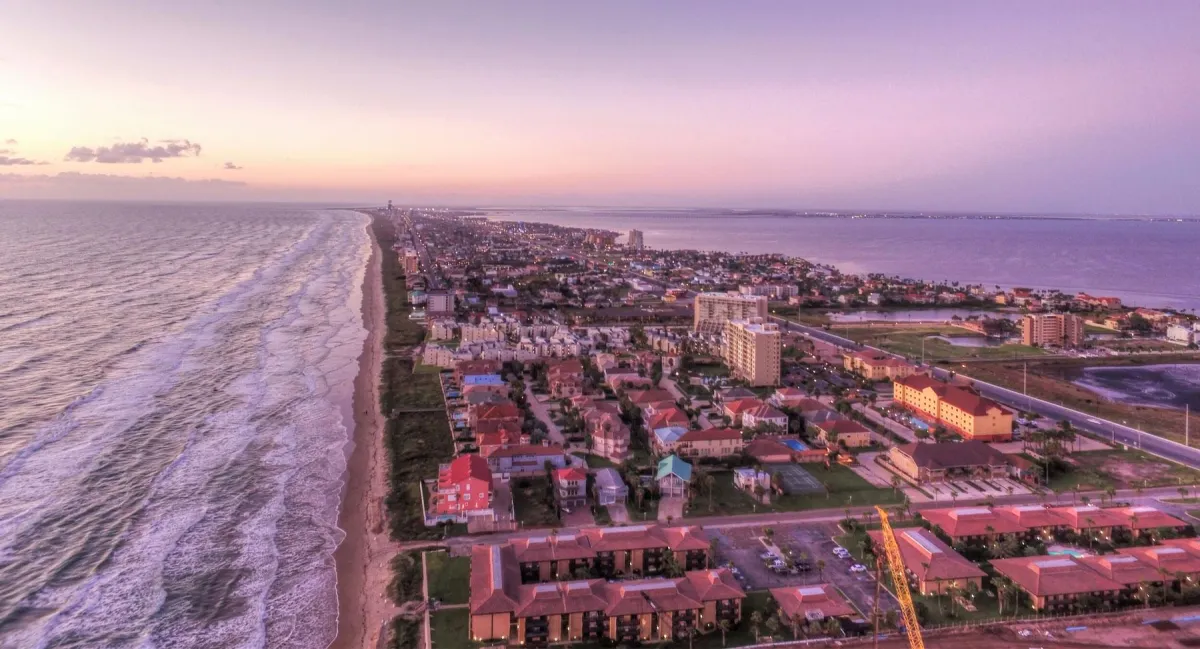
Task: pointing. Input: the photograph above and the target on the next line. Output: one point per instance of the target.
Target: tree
(756, 620)
(773, 625)
(896, 484)
(671, 566)
(797, 621)
(832, 627)
(820, 570)
(723, 627)
(707, 484)
(713, 546)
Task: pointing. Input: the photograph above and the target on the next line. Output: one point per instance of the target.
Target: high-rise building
(712, 310)
(752, 350)
(636, 241)
(1052, 329)
(411, 261)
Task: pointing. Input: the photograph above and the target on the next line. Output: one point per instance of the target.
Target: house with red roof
(710, 442)
(765, 415)
(495, 412)
(734, 409)
(463, 489)
(528, 459)
(570, 487)
(492, 441)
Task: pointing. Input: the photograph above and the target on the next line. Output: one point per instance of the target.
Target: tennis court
(794, 479)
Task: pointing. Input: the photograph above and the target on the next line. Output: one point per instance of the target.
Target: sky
(1020, 106)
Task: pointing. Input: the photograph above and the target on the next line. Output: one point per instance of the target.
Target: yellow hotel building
(958, 409)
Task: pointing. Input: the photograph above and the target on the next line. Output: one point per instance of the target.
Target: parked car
(858, 567)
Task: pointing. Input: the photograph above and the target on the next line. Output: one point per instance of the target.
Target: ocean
(1144, 262)
(175, 388)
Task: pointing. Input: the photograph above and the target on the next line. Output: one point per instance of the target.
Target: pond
(971, 341)
(915, 315)
(1168, 385)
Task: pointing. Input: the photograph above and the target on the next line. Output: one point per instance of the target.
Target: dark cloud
(134, 152)
(232, 167)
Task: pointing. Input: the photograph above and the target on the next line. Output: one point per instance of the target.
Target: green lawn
(844, 488)
(601, 516)
(908, 342)
(534, 508)
(597, 462)
(449, 577)
(451, 629)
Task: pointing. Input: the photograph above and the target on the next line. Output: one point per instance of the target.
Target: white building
(712, 310)
(1183, 334)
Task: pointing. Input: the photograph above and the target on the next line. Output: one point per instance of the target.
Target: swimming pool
(1058, 551)
(795, 445)
(918, 424)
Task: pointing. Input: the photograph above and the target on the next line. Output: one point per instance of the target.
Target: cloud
(232, 167)
(10, 142)
(8, 158)
(134, 152)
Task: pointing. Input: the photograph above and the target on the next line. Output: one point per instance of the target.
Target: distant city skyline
(1067, 107)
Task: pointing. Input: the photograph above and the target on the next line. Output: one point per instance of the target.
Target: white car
(858, 567)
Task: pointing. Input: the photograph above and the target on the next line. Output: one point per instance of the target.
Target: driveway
(542, 412)
(618, 514)
(672, 507)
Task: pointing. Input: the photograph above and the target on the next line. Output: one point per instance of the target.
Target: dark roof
(950, 455)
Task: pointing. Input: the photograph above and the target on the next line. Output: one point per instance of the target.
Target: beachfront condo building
(958, 409)
(712, 310)
(636, 240)
(569, 588)
(1052, 329)
(752, 350)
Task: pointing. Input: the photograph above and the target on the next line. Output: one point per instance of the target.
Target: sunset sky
(1021, 106)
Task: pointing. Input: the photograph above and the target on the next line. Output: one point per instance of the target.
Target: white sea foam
(189, 498)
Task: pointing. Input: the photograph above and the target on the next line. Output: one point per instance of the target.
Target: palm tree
(1091, 534)
(1111, 492)
(820, 570)
(769, 533)
(773, 625)
(707, 484)
(756, 620)
(896, 482)
(1002, 587)
(723, 626)
(713, 545)
(991, 534)
(797, 621)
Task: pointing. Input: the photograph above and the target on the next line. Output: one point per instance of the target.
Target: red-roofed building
(815, 603)
(931, 564)
(570, 487)
(958, 409)
(527, 459)
(973, 523)
(710, 442)
(765, 415)
(464, 488)
(496, 412)
(735, 409)
(877, 366)
(666, 417)
(843, 432)
(1144, 520)
(490, 442)
(1056, 583)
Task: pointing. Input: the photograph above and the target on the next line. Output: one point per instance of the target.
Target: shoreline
(361, 560)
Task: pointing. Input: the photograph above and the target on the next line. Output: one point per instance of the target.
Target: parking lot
(811, 541)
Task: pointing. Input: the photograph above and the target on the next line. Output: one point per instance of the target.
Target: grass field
(531, 504)
(449, 577)
(843, 488)
(450, 628)
(907, 341)
(1051, 379)
(1122, 470)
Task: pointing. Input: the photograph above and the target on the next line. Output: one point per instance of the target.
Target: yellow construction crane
(900, 580)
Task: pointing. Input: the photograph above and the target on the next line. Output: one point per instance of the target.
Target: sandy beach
(362, 558)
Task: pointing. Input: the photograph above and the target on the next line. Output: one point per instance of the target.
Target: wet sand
(362, 557)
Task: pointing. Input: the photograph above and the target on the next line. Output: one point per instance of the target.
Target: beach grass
(407, 584)
(404, 633)
(449, 577)
(416, 442)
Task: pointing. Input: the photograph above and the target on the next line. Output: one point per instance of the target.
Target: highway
(1103, 428)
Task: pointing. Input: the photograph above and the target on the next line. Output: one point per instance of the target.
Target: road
(1102, 428)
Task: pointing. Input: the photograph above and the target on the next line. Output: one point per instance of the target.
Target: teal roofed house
(673, 477)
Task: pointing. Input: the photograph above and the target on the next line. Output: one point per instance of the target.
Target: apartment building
(636, 240)
(1052, 329)
(752, 349)
(1055, 583)
(958, 409)
(932, 565)
(877, 366)
(712, 310)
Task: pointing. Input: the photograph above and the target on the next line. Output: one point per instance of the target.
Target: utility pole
(1187, 417)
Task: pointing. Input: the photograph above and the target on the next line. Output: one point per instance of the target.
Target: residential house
(570, 487)
(491, 442)
(765, 415)
(610, 437)
(661, 417)
(528, 459)
(932, 565)
(735, 409)
(844, 432)
(565, 378)
(748, 479)
(468, 368)
(608, 488)
(788, 398)
(492, 384)
(1145, 520)
(463, 489)
(710, 442)
(497, 412)
(673, 477)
